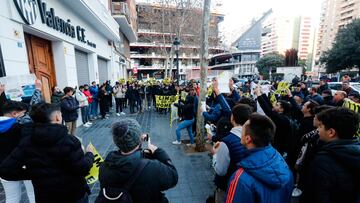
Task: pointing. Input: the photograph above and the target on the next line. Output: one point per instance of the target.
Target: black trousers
(119, 104)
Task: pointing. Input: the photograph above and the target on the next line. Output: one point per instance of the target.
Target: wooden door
(41, 63)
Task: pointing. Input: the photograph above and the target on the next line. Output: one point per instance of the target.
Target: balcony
(121, 13)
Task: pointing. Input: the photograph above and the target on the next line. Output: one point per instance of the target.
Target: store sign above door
(27, 11)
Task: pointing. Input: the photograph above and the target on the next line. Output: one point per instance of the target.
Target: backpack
(121, 194)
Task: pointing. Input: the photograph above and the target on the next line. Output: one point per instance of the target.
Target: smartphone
(146, 142)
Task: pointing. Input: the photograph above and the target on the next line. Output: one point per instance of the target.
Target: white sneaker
(190, 145)
(122, 113)
(89, 123)
(117, 114)
(176, 142)
(86, 125)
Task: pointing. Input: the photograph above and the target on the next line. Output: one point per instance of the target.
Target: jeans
(85, 114)
(94, 107)
(188, 125)
(89, 110)
(119, 104)
(13, 191)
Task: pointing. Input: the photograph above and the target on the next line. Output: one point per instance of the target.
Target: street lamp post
(176, 44)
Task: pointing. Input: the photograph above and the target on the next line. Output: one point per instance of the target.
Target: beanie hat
(126, 134)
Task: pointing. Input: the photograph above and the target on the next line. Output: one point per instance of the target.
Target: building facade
(158, 26)
(281, 33)
(64, 43)
(241, 61)
(335, 14)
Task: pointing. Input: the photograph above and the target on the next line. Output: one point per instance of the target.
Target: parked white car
(335, 86)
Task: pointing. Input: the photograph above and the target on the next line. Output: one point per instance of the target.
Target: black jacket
(282, 123)
(53, 160)
(2, 102)
(158, 175)
(333, 175)
(69, 109)
(56, 97)
(9, 136)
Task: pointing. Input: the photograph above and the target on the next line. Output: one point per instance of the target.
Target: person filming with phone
(133, 173)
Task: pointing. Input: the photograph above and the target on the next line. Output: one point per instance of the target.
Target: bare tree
(203, 74)
(169, 19)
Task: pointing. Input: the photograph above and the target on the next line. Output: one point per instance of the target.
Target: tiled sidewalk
(195, 173)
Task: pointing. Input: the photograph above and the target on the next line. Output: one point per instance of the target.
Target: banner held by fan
(93, 175)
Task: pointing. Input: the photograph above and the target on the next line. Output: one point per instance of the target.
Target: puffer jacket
(53, 160)
(81, 98)
(69, 109)
(333, 173)
(148, 187)
(265, 178)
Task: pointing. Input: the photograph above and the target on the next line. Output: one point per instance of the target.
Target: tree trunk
(203, 75)
(171, 62)
(166, 67)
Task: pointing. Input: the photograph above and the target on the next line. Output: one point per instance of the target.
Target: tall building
(158, 26)
(64, 43)
(335, 14)
(281, 33)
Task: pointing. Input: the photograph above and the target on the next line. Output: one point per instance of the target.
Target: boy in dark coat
(69, 110)
(333, 174)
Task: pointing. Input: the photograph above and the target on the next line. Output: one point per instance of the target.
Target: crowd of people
(300, 144)
(38, 149)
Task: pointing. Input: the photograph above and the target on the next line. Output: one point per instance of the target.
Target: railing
(121, 8)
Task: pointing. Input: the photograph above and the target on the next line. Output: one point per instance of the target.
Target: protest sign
(354, 107)
(223, 81)
(164, 102)
(93, 175)
(174, 114)
(282, 88)
(19, 86)
(273, 99)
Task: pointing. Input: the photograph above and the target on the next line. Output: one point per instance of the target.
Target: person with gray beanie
(119, 166)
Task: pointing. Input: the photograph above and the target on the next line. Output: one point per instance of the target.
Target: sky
(239, 13)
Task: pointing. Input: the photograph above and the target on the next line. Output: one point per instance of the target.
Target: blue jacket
(214, 114)
(265, 178)
(319, 99)
(225, 108)
(94, 91)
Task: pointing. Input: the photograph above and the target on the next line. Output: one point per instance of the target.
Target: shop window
(2, 67)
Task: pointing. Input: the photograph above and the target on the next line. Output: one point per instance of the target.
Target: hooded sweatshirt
(265, 178)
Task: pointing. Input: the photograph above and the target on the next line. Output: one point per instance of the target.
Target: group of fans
(301, 144)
